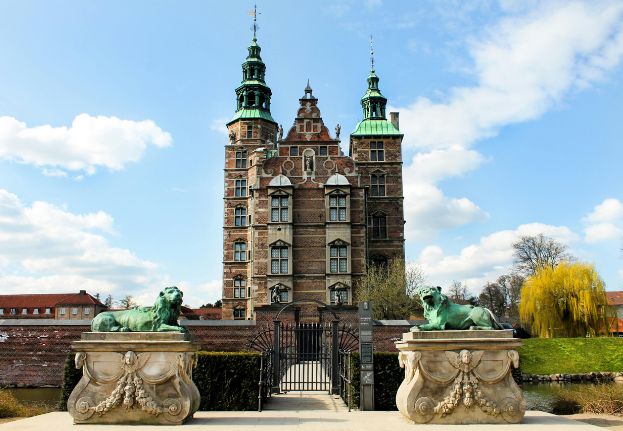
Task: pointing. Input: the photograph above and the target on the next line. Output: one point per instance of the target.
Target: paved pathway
(304, 401)
(307, 420)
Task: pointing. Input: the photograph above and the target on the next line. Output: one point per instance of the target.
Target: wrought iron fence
(346, 377)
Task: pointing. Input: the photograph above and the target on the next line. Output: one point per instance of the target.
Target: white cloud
(605, 222)
(484, 261)
(219, 125)
(46, 248)
(523, 66)
(89, 143)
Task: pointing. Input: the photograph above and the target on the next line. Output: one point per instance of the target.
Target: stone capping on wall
(55, 322)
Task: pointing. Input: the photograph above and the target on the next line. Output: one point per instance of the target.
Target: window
(35, 311)
(48, 311)
(279, 208)
(240, 251)
(87, 311)
(379, 226)
(239, 287)
(377, 185)
(62, 311)
(240, 216)
(294, 151)
(279, 260)
(341, 293)
(249, 131)
(338, 262)
(241, 159)
(13, 311)
(74, 311)
(337, 208)
(323, 151)
(1, 311)
(24, 310)
(377, 152)
(240, 189)
(240, 313)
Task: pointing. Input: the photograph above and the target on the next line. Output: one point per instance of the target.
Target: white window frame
(279, 212)
(240, 216)
(338, 258)
(280, 256)
(338, 207)
(240, 251)
(240, 287)
(62, 311)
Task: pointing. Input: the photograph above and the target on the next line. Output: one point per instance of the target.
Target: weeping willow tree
(391, 289)
(568, 300)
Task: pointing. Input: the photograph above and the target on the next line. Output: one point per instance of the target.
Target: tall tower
(252, 133)
(376, 148)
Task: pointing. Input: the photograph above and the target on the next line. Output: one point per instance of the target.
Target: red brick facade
(301, 219)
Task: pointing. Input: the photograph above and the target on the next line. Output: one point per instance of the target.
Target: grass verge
(571, 355)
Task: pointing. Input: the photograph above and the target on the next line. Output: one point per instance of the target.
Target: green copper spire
(374, 103)
(253, 95)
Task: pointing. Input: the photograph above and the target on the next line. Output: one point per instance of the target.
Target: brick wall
(33, 353)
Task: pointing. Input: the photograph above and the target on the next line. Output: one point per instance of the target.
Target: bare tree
(492, 298)
(536, 252)
(127, 302)
(511, 285)
(458, 292)
(108, 301)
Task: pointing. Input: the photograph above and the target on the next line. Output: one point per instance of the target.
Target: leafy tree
(391, 289)
(218, 304)
(538, 251)
(108, 301)
(127, 302)
(567, 300)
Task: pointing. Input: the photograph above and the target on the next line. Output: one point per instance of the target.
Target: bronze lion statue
(442, 313)
(161, 317)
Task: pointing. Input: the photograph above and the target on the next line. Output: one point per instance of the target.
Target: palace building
(302, 220)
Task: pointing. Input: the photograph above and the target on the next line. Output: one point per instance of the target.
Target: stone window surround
(343, 289)
(240, 187)
(240, 216)
(240, 158)
(378, 184)
(337, 191)
(240, 313)
(279, 209)
(337, 245)
(284, 293)
(281, 246)
(240, 250)
(240, 288)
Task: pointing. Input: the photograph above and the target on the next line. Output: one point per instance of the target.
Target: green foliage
(10, 407)
(567, 300)
(228, 380)
(71, 377)
(387, 378)
(571, 355)
(391, 290)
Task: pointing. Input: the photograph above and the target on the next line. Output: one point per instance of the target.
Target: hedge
(226, 380)
(387, 378)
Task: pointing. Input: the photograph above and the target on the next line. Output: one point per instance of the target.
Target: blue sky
(112, 130)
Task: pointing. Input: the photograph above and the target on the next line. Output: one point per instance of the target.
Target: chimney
(393, 116)
(83, 292)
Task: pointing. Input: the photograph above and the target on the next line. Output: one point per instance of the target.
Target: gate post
(335, 347)
(276, 356)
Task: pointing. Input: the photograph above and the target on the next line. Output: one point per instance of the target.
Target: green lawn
(571, 355)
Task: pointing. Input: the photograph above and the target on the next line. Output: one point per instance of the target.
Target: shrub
(10, 407)
(599, 399)
(387, 378)
(226, 380)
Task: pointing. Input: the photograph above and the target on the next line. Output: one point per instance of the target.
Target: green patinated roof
(376, 128)
(252, 114)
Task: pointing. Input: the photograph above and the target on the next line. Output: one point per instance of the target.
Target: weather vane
(253, 12)
(371, 53)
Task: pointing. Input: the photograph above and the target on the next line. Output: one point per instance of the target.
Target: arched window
(240, 216)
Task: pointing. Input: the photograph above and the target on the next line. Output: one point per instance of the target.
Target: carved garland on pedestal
(130, 390)
(465, 386)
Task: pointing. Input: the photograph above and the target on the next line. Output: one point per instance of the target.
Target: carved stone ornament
(447, 384)
(148, 385)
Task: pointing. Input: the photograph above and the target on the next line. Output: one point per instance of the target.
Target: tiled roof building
(64, 306)
(301, 219)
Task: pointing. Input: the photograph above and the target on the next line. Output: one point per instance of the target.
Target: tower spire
(371, 54)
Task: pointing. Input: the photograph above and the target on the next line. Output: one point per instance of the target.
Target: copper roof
(43, 300)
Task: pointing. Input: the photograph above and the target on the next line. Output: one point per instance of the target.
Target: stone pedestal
(459, 377)
(134, 378)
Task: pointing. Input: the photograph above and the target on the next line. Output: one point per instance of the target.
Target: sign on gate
(366, 350)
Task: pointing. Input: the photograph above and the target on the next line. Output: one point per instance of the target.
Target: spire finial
(371, 53)
(253, 12)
